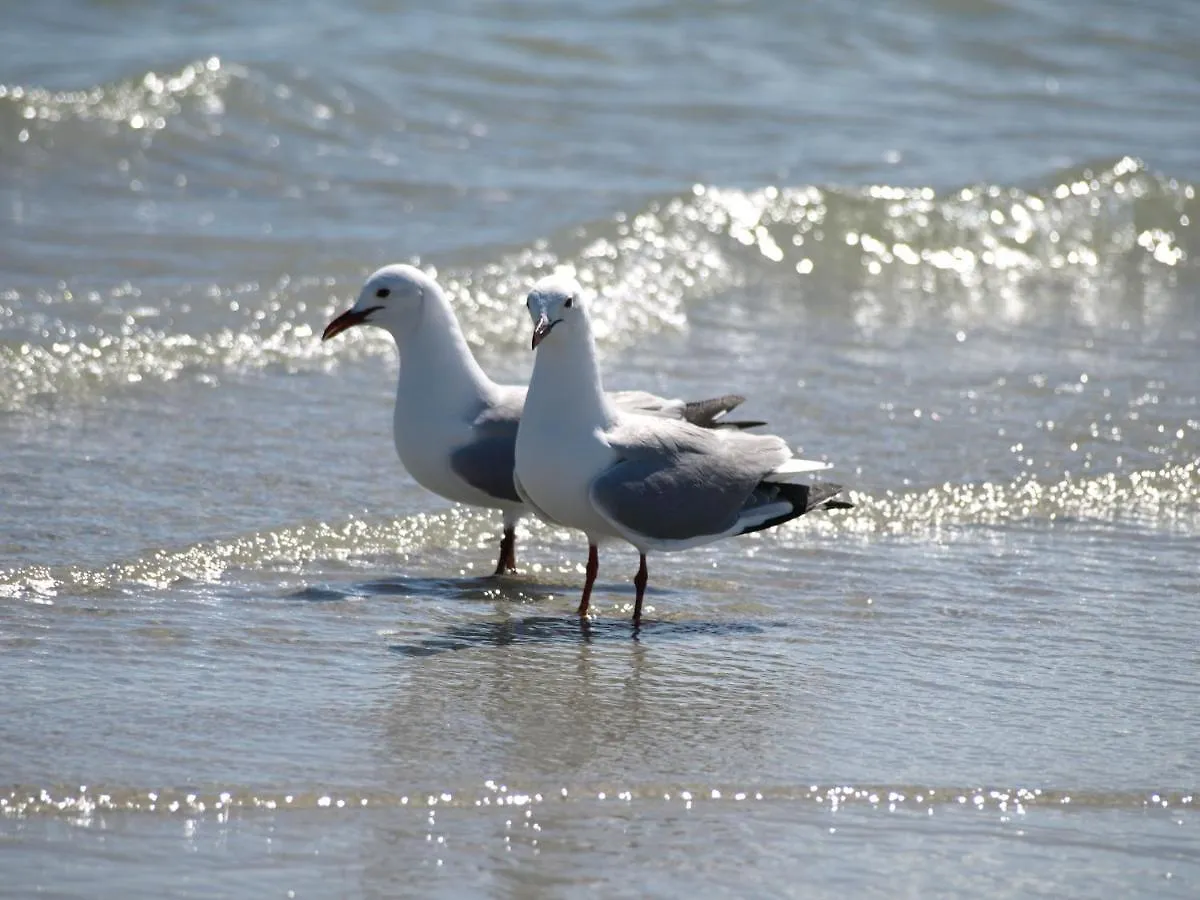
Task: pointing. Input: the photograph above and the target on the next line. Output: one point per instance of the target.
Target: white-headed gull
(659, 484)
(455, 429)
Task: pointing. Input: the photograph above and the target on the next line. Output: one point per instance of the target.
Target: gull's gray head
(391, 298)
(555, 301)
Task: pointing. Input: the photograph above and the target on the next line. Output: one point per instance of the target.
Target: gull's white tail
(794, 467)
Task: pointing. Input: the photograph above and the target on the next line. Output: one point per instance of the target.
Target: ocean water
(949, 245)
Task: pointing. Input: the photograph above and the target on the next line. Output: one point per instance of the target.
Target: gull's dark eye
(383, 293)
(570, 302)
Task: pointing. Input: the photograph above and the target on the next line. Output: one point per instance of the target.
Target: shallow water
(949, 246)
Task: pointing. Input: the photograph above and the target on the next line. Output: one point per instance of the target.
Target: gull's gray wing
(677, 482)
(647, 404)
(486, 462)
(708, 413)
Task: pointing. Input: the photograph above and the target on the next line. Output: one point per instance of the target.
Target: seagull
(455, 429)
(660, 484)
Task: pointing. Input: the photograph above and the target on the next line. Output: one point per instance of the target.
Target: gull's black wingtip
(803, 498)
(824, 495)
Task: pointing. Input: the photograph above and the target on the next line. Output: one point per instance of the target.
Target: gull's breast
(556, 472)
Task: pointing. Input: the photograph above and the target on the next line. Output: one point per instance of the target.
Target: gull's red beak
(541, 329)
(348, 319)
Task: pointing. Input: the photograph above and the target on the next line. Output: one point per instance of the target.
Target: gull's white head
(392, 298)
(556, 301)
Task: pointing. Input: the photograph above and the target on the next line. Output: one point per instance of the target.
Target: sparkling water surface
(949, 246)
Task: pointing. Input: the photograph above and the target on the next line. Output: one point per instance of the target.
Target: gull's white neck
(436, 363)
(566, 380)
(562, 444)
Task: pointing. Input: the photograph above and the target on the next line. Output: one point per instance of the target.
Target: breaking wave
(1108, 247)
(86, 805)
(1168, 497)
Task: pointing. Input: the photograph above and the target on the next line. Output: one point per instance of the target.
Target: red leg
(593, 566)
(639, 582)
(511, 560)
(508, 553)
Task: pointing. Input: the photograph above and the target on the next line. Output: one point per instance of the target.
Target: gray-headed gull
(455, 429)
(660, 484)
